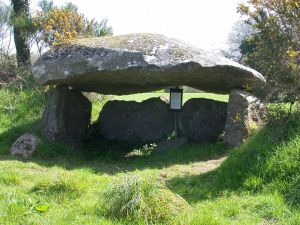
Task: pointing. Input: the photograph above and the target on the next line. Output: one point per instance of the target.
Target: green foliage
(70, 6)
(274, 48)
(22, 22)
(145, 150)
(20, 108)
(42, 208)
(97, 29)
(57, 26)
(258, 183)
(7, 69)
(46, 5)
(137, 199)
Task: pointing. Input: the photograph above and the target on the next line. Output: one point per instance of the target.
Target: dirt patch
(194, 168)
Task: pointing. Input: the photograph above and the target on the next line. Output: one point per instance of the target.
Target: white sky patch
(204, 23)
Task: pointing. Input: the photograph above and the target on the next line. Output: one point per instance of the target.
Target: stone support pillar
(244, 112)
(66, 117)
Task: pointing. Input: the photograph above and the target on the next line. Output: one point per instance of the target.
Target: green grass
(20, 112)
(140, 199)
(97, 105)
(258, 183)
(186, 96)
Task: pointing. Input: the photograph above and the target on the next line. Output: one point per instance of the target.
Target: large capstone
(245, 113)
(139, 63)
(67, 116)
(203, 120)
(148, 121)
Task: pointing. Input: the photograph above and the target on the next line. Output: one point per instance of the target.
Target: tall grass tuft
(142, 200)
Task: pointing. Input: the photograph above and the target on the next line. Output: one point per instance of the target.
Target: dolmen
(136, 63)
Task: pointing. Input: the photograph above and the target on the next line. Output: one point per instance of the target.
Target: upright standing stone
(147, 121)
(245, 112)
(67, 116)
(203, 120)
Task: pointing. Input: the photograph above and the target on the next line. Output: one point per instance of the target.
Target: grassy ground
(257, 183)
(186, 96)
(97, 105)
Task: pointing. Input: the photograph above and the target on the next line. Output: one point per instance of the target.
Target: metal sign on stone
(176, 95)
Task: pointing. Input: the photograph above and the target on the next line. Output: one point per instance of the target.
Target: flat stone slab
(136, 63)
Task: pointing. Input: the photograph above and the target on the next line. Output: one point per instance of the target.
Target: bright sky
(204, 23)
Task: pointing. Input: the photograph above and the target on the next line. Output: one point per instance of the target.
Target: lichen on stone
(140, 62)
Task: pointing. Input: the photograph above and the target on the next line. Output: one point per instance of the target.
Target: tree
(274, 47)
(94, 28)
(61, 25)
(58, 26)
(46, 5)
(239, 32)
(5, 29)
(21, 24)
(70, 6)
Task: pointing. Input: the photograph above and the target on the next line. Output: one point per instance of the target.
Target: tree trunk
(22, 48)
(21, 7)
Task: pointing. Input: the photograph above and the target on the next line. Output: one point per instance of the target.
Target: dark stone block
(203, 120)
(66, 117)
(148, 121)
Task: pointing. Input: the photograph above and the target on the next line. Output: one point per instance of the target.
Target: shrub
(141, 200)
(61, 25)
(12, 76)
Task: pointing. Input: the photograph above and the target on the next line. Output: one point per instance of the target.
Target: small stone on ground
(25, 145)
